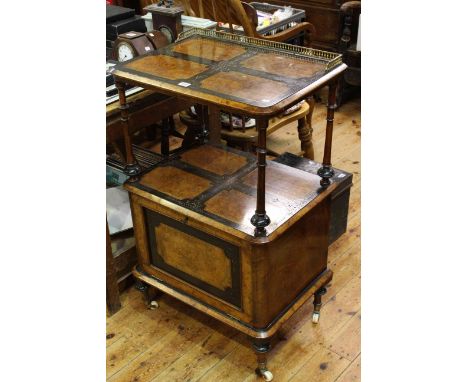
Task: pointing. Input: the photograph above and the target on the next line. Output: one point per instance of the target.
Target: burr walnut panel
(286, 182)
(215, 160)
(168, 67)
(238, 207)
(239, 212)
(208, 49)
(282, 65)
(175, 182)
(245, 86)
(220, 184)
(194, 257)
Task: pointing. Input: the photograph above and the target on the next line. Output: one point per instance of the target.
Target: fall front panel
(202, 260)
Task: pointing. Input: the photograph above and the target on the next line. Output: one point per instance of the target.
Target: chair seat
(273, 125)
(252, 133)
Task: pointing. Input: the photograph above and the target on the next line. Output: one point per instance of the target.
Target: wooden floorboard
(178, 343)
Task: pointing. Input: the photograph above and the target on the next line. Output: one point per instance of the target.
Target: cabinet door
(326, 23)
(324, 15)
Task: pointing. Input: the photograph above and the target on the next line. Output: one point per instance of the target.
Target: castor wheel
(153, 305)
(315, 317)
(266, 374)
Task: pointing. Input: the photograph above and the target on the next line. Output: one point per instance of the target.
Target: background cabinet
(325, 16)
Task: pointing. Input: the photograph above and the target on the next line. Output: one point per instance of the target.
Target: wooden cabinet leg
(262, 347)
(318, 304)
(112, 287)
(149, 293)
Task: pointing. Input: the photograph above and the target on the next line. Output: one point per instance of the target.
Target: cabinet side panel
(288, 265)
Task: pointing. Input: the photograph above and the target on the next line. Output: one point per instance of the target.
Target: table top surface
(239, 73)
(220, 183)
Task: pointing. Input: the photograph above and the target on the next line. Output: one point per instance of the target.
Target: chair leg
(305, 136)
(112, 287)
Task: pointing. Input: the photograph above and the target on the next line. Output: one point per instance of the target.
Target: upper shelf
(239, 73)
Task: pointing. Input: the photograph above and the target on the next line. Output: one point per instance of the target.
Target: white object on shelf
(197, 22)
(358, 43)
(148, 21)
(119, 216)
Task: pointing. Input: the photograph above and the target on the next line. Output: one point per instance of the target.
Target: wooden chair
(246, 138)
(351, 79)
(235, 12)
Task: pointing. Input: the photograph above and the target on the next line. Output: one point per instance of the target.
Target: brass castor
(315, 317)
(265, 373)
(153, 305)
(262, 347)
(318, 304)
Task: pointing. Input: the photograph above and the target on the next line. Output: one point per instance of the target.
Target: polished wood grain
(227, 86)
(175, 182)
(209, 49)
(285, 66)
(265, 315)
(287, 204)
(242, 210)
(245, 86)
(194, 256)
(286, 182)
(239, 212)
(209, 158)
(168, 67)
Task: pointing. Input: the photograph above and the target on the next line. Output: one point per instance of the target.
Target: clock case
(140, 43)
(166, 17)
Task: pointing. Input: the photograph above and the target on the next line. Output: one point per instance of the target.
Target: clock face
(167, 33)
(124, 52)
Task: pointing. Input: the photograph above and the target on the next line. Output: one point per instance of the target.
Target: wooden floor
(177, 343)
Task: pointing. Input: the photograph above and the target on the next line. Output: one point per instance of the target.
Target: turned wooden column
(326, 171)
(260, 219)
(132, 168)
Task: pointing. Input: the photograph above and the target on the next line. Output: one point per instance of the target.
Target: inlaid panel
(193, 256)
(245, 86)
(238, 207)
(247, 75)
(215, 160)
(282, 65)
(221, 184)
(175, 182)
(286, 182)
(168, 67)
(232, 205)
(209, 49)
